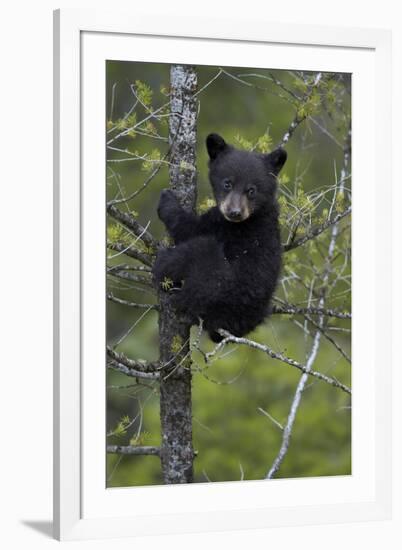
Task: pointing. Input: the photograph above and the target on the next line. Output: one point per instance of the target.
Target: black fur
(225, 264)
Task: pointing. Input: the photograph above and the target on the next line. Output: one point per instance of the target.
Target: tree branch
(132, 252)
(317, 230)
(293, 409)
(133, 450)
(128, 371)
(132, 224)
(130, 367)
(275, 355)
(290, 309)
(141, 188)
(300, 118)
(128, 276)
(328, 337)
(137, 125)
(116, 300)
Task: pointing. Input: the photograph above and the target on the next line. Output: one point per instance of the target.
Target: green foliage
(121, 427)
(131, 119)
(140, 439)
(300, 84)
(142, 247)
(243, 143)
(117, 234)
(164, 90)
(153, 160)
(283, 178)
(124, 123)
(291, 262)
(264, 143)
(309, 107)
(324, 216)
(144, 93)
(340, 202)
(177, 344)
(167, 284)
(121, 124)
(150, 128)
(131, 122)
(206, 205)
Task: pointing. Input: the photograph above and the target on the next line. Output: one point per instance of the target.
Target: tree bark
(174, 331)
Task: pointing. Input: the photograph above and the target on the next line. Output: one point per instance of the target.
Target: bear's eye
(227, 184)
(251, 192)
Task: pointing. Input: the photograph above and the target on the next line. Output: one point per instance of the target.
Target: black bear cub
(225, 263)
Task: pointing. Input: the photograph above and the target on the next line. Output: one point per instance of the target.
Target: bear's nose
(234, 214)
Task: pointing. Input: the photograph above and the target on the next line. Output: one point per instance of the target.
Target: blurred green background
(231, 434)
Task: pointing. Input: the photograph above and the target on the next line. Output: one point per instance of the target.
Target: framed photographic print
(209, 327)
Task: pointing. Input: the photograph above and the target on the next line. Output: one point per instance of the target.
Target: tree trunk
(174, 331)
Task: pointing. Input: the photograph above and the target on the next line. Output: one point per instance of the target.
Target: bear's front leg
(169, 207)
(181, 225)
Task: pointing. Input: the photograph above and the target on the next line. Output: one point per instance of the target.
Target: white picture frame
(83, 507)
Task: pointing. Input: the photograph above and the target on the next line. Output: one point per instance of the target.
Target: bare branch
(124, 369)
(136, 369)
(275, 355)
(238, 78)
(329, 338)
(265, 413)
(127, 131)
(128, 276)
(300, 118)
(218, 74)
(290, 309)
(132, 252)
(293, 410)
(116, 300)
(132, 224)
(326, 132)
(317, 230)
(133, 450)
(142, 366)
(141, 188)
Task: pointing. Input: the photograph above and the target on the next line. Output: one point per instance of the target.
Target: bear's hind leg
(169, 268)
(209, 277)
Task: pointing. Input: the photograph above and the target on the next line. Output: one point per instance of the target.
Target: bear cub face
(243, 182)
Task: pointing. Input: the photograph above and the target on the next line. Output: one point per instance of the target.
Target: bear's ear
(215, 145)
(276, 160)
